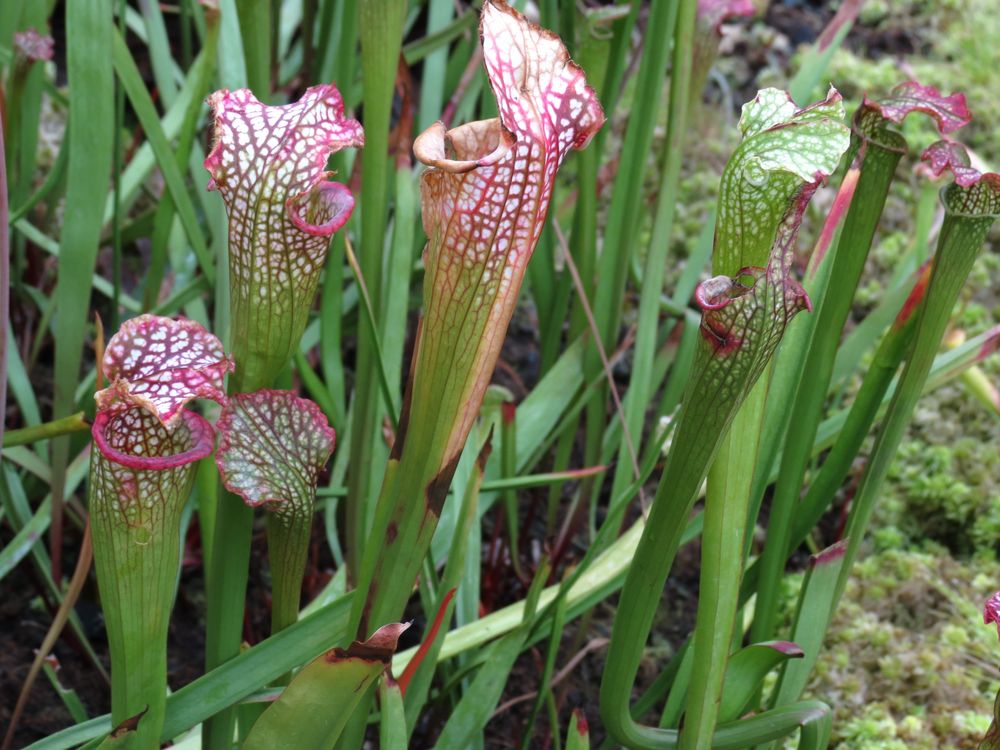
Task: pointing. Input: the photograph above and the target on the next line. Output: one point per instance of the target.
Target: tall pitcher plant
(269, 165)
(484, 200)
(766, 188)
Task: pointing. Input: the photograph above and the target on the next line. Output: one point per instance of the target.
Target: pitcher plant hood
(274, 445)
(269, 165)
(161, 364)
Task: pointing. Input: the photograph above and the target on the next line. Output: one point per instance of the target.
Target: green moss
(908, 662)
(945, 492)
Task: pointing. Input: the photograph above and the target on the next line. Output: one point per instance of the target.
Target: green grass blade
(392, 727)
(21, 545)
(20, 385)
(68, 696)
(331, 325)
(480, 698)
(232, 61)
(98, 282)
(89, 33)
(256, 34)
(381, 30)
(811, 620)
(817, 58)
(5, 328)
(432, 95)
(145, 110)
(396, 302)
(158, 43)
(166, 209)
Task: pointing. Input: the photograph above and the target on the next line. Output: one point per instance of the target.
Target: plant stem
(225, 599)
(864, 410)
(727, 500)
(27, 435)
(878, 164)
(287, 549)
(969, 214)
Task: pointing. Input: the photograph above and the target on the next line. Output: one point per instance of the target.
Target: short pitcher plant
(272, 448)
(146, 448)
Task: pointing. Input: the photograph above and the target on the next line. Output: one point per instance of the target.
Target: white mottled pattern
(484, 208)
(273, 446)
(161, 364)
(269, 164)
(783, 148)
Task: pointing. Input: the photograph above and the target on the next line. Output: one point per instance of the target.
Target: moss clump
(908, 662)
(943, 488)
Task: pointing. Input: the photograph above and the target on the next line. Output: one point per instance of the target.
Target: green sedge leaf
(161, 364)
(746, 671)
(812, 616)
(783, 149)
(273, 447)
(269, 165)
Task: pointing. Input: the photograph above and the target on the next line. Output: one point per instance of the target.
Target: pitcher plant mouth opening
(191, 439)
(461, 149)
(322, 210)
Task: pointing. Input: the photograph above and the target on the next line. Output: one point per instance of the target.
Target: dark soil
(25, 619)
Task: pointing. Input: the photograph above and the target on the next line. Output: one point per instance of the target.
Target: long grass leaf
(381, 29)
(145, 110)
(89, 33)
